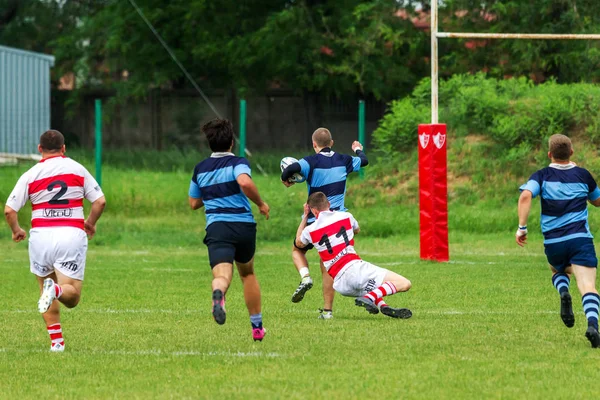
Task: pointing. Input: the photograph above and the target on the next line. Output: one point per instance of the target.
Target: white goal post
(435, 35)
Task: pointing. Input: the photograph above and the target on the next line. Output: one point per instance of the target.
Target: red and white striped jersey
(332, 234)
(56, 187)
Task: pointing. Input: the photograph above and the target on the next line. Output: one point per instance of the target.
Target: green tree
(567, 61)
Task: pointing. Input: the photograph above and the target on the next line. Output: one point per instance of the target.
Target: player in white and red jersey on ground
(58, 238)
(332, 234)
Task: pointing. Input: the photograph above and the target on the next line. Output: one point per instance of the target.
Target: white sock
(304, 272)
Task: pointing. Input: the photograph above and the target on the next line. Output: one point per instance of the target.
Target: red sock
(57, 291)
(55, 332)
(386, 289)
(380, 303)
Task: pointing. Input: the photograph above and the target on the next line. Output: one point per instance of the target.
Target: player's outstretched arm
(251, 191)
(357, 148)
(299, 243)
(524, 207)
(95, 213)
(18, 234)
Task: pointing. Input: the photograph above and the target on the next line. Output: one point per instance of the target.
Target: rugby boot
(305, 285)
(566, 310)
(325, 314)
(367, 304)
(593, 336)
(57, 348)
(403, 313)
(218, 311)
(258, 334)
(48, 295)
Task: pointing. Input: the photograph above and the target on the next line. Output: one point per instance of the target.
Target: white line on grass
(168, 270)
(156, 352)
(291, 310)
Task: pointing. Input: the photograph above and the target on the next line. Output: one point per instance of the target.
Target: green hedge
(514, 113)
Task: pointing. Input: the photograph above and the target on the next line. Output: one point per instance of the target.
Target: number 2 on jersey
(57, 197)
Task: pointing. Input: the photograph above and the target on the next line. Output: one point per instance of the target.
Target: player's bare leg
(586, 282)
(328, 294)
(252, 297)
(222, 275)
(301, 264)
(52, 319)
(373, 301)
(561, 281)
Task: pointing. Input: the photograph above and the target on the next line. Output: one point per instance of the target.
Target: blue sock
(256, 321)
(561, 282)
(591, 304)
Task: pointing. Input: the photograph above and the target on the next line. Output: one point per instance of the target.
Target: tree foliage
(337, 47)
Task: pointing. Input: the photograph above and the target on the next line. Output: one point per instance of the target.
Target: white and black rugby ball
(285, 162)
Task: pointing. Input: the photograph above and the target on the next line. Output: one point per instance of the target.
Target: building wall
(24, 99)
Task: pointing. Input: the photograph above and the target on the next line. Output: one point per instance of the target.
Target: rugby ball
(287, 161)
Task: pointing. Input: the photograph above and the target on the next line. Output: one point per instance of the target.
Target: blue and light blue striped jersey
(564, 191)
(214, 181)
(326, 172)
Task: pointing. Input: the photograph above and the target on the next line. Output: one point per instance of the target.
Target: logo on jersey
(59, 213)
(424, 139)
(439, 140)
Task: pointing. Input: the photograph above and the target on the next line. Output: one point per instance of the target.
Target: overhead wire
(185, 72)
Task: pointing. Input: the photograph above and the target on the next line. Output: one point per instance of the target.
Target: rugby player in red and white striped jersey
(58, 238)
(332, 234)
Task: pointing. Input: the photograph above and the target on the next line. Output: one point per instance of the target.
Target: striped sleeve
(594, 191)
(534, 184)
(242, 168)
(304, 167)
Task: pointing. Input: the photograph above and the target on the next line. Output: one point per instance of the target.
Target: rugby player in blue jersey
(565, 189)
(222, 184)
(326, 171)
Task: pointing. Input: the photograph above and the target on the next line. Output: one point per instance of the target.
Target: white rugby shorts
(359, 278)
(62, 249)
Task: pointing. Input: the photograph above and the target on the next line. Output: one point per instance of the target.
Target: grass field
(485, 325)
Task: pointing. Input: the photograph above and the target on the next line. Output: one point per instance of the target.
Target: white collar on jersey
(219, 154)
(327, 153)
(563, 166)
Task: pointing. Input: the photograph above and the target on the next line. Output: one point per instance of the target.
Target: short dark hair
(52, 140)
(219, 133)
(560, 147)
(319, 201)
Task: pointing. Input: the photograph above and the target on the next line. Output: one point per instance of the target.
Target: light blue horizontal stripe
(532, 186)
(322, 176)
(550, 223)
(592, 298)
(591, 314)
(356, 164)
(304, 167)
(241, 169)
(562, 285)
(210, 218)
(564, 191)
(337, 201)
(594, 195)
(569, 237)
(194, 191)
(221, 175)
(235, 201)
